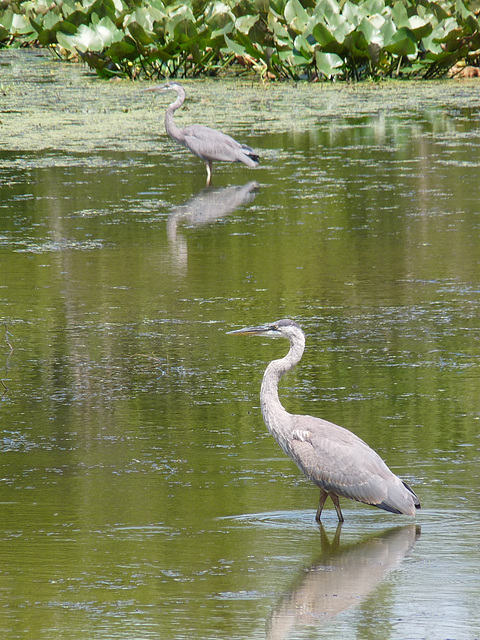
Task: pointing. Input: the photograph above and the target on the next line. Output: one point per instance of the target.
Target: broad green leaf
(252, 51)
(20, 25)
(66, 27)
(245, 23)
(400, 15)
(120, 50)
(103, 8)
(227, 28)
(402, 43)
(295, 15)
(218, 11)
(302, 46)
(357, 44)
(182, 15)
(185, 32)
(86, 40)
(343, 29)
(141, 17)
(328, 63)
(322, 35)
(6, 20)
(49, 20)
(421, 28)
(277, 28)
(388, 31)
(472, 24)
(139, 34)
(462, 9)
(371, 7)
(119, 6)
(370, 31)
(65, 42)
(327, 10)
(351, 12)
(235, 47)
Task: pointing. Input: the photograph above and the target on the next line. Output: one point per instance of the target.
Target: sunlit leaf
(20, 25)
(302, 47)
(328, 10)
(295, 15)
(370, 31)
(351, 13)
(400, 15)
(65, 42)
(328, 63)
(245, 23)
(372, 7)
(421, 28)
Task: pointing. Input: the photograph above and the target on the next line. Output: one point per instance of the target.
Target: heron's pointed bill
(262, 330)
(157, 87)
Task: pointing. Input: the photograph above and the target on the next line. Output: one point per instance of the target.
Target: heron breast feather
(302, 435)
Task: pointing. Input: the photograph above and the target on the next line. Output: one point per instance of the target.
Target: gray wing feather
(340, 462)
(212, 145)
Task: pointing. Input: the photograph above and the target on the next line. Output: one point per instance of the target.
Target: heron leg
(209, 172)
(323, 497)
(336, 504)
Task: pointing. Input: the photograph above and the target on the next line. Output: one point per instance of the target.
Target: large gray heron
(208, 144)
(332, 457)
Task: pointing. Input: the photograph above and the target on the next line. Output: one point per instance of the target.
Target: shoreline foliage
(280, 39)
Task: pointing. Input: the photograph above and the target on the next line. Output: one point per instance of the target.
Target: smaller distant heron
(332, 457)
(204, 142)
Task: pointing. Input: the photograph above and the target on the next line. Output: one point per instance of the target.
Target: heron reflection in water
(332, 457)
(340, 579)
(210, 205)
(204, 208)
(210, 145)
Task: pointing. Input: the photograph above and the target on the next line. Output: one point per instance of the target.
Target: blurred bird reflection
(343, 577)
(203, 208)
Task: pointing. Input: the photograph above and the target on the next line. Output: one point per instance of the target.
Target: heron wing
(212, 145)
(341, 463)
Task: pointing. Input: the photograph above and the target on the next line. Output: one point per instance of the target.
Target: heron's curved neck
(276, 417)
(170, 125)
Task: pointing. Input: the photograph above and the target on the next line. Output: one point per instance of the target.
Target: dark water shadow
(340, 579)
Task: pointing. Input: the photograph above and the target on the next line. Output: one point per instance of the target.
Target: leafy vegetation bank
(310, 39)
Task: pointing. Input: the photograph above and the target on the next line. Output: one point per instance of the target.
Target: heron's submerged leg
(323, 497)
(336, 503)
(209, 172)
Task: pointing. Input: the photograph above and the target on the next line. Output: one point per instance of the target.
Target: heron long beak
(157, 87)
(251, 331)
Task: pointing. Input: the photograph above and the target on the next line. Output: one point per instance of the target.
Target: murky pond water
(141, 495)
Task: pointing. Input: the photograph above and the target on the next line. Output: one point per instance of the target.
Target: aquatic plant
(277, 39)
